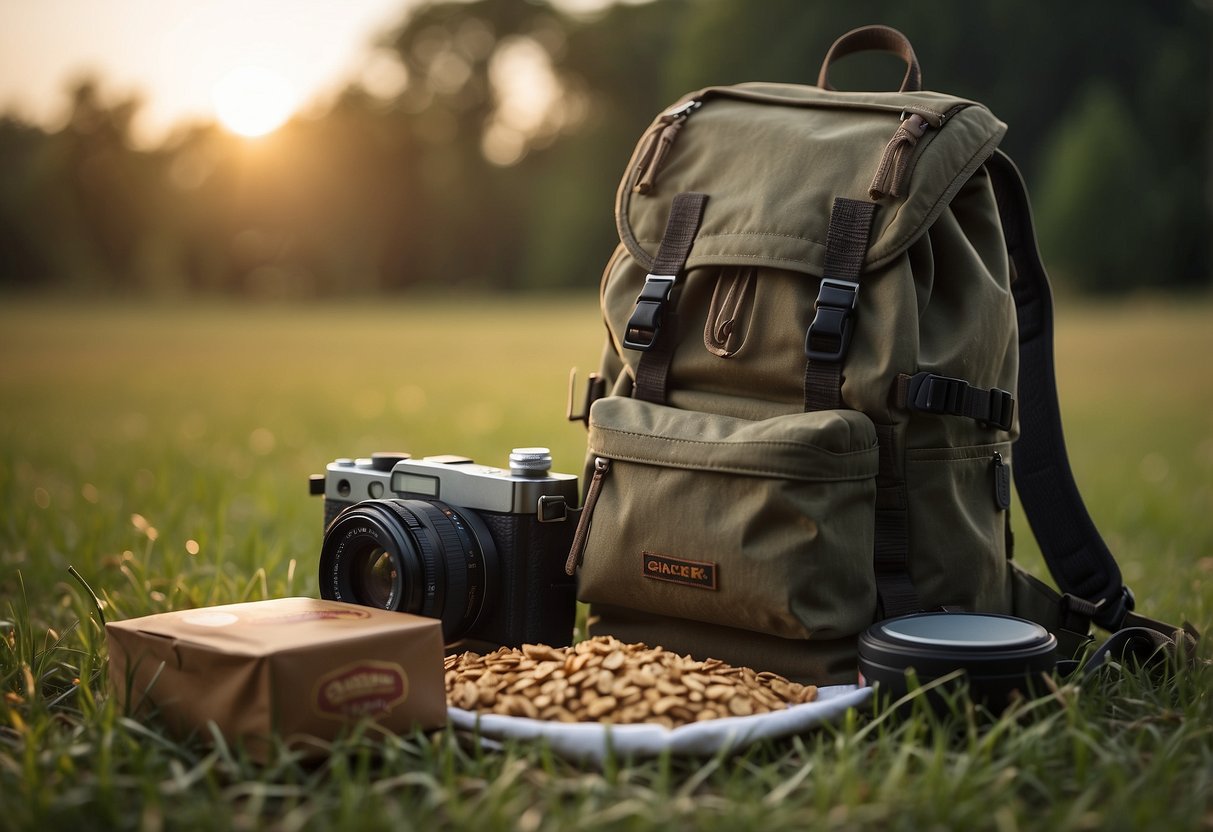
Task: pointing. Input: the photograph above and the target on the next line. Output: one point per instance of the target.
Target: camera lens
(374, 577)
(418, 556)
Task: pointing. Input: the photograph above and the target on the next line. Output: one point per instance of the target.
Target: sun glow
(253, 100)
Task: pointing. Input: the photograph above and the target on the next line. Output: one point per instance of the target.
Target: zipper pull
(895, 163)
(601, 467)
(660, 140)
(1002, 483)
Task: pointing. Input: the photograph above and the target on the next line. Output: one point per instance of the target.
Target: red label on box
(363, 688)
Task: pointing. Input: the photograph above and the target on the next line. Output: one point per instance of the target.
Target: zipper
(659, 141)
(933, 117)
(890, 178)
(915, 119)
(601, 467)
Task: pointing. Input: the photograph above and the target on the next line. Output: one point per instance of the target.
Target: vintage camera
(481, 548)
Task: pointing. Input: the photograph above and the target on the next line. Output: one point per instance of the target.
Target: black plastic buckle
(829, 336)
(931, 393)
(1110, 612)
(1076, 614)
(937, 394)
(645, 323)
(1001, 411)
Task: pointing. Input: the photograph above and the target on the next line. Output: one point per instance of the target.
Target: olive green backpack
(829, 343)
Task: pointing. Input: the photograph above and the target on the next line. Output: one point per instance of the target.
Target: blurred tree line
(495, 163)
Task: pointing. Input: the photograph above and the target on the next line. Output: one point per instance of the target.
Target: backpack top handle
(874, 39)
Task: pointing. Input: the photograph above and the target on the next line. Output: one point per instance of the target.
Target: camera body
(480, 547)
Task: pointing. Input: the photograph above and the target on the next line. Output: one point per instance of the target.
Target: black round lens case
(998, 653)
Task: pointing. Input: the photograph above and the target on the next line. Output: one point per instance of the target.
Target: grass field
(163, 451)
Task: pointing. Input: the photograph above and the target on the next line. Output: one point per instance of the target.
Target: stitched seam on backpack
(695, 260)
(784, 234)
(783, 443)
(741, 471)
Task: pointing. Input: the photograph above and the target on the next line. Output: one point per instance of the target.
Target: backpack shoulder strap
(1072, 547)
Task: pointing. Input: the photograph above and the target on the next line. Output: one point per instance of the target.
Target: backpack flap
(772, 158)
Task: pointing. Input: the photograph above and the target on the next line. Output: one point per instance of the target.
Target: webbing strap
(825, 346)
(653, 327)
(1076, 555)
(847, 237)
(891, 554)
(686, 212)
(829, 335)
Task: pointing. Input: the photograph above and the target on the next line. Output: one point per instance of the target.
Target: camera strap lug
(552, 508)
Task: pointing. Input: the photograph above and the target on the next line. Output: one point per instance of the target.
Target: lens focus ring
(442, 581)
(427, 597)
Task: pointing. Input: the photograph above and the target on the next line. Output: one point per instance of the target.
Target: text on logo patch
(679, 571)
(363, 688)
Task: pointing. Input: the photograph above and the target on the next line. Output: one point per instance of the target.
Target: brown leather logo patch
(695, 573)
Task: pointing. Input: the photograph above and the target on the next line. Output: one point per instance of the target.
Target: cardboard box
(293, 666)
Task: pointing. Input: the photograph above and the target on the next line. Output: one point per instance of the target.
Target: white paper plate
(591, 741)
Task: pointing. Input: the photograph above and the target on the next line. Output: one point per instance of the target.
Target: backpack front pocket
(760, 525)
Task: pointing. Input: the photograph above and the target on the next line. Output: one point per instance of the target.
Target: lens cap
(998, 653)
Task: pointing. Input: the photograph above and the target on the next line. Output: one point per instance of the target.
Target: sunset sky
(181, 56)
(251, 64)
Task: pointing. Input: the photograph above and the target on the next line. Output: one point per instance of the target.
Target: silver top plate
(452, 479)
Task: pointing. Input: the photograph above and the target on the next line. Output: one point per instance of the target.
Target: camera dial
(530, 462)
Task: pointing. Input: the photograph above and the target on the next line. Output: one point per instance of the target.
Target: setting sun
(253, 100)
